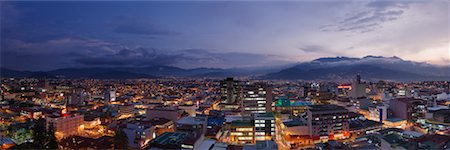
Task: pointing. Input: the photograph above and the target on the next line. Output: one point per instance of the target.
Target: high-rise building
(358, 88)
(230, 90)
(78, 97)
(110, 95)
(408, 108)
(264, 126)
(256, 98)
(328, 122)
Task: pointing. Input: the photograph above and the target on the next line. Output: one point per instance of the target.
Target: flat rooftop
(169, 138)
(319, 108)
(262, 115)
(241, 123)
(293, 123)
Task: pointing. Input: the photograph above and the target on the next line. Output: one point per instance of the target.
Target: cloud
(130, 57)
(139, 29)
(313, 48)
(370, 18)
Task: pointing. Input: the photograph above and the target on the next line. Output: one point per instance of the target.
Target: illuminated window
(244, 129)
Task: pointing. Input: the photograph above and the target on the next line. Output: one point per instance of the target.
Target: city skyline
(51, 35)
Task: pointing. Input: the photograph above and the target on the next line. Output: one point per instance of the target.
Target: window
(244, 129)
(260, 125)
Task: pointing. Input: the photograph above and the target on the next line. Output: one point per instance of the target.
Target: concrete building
(171, 140)
(264, 126)
(66, 125)
(358, 88)
(242, 132)
(110, 95)
(408, 108)
(126, 110)
(294, 134)
(230, 90)
(139, 133)
(361, 103)
(328, 122)
(378, 113)
(231, 94)
(262, 145)
(195, 127)
(190, 109)
(171, 113)
(78, 96)
(257, 98)
(294, 108)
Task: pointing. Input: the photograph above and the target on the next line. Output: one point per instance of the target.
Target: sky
(38, 35)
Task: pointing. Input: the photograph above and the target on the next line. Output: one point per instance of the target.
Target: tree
(39, 134)
(51, 139)
(43, 137)
(120, 140)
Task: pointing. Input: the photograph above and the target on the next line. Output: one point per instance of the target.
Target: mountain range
(370, 67)
(330, 68)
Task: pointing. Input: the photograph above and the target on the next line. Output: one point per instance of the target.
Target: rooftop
(318, 108)
(283, 102)
(394, 119)
(242, 123)
(169, 139)
(191, 120)
(293, 123)
(269, 114)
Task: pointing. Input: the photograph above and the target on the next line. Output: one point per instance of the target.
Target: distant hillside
(330, 68)
(120, 75)
(371, 67)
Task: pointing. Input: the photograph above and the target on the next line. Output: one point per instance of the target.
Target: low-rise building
(66, 125)
(242, 132)
(264, 126)
(139, 133)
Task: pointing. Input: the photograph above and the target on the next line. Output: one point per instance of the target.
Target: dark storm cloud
(371, 18)
(212, 58)
(130, 57)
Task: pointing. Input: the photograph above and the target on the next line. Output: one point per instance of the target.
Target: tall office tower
(229, 90)
(110, 95)
(304, 90)
(264, 126)
(358, 88)
(327, 122)
(230, 94)
(256, 98)
(44, 84)
(78, 97)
